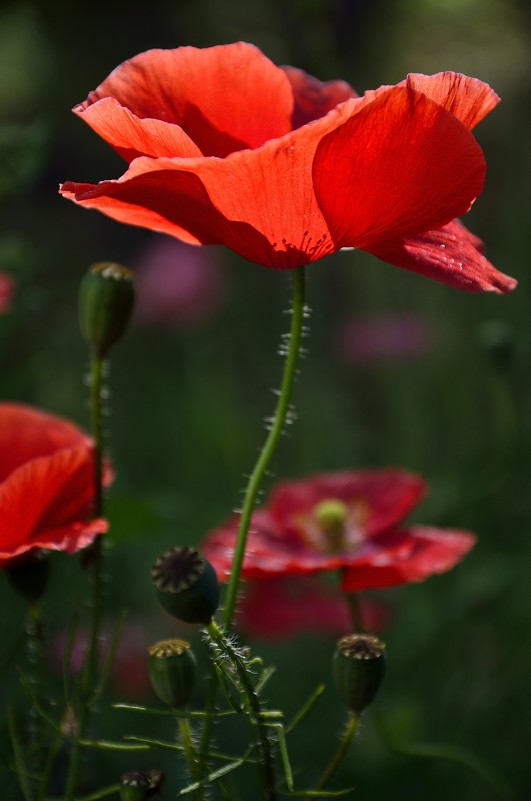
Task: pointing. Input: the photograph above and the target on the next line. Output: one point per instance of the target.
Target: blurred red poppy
(348, 521)
(226, 148)
(7, 290)
(46, 484)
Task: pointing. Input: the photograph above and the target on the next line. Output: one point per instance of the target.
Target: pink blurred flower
(129, 674)
(7, 290)
(178, 285)
(396, 335)
(279, 608)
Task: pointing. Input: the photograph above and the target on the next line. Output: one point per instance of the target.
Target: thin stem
(271, 443)
(210, 710)
(96, 386)
(91, 660)
(350, 731)
(35, 646)
(254, 713)
(356, 611)
(192, 757)
(451, 753)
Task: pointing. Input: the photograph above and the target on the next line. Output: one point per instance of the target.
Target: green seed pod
(106, 299)
(187, 585)
(359, 667)
(172, 671)
(140, 785)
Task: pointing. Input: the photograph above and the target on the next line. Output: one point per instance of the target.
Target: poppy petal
(401, 165)
(27, 433)
(452, 255)
(406, 556)
(132, 136)
(314, 98)
(388, 495)
(259, 203)
(45, 495)
(468, 99)
(225, 98)
(69, 539)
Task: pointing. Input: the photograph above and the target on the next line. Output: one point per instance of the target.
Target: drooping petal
(27, 433)
(283, 607)
(468, 99)
(225, 98)
(451, 255)
(387, 495)
(400, 557)
(133, 136)
(68, 539)
(314, 98)
(401, 165)
(46, 495)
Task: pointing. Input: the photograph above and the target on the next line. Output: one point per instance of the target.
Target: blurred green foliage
(187, 402)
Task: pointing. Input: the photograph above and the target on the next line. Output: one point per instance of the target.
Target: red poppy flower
(348, 521)
(226, 148)
(46, 484)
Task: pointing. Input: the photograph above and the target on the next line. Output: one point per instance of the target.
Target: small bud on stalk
(172, 671)
(187, 585)
(140, 785)
(359, 667)
(106, 299)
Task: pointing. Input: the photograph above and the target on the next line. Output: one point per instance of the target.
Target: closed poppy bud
(187, 585)
(359, 667)
(29, 576)
(106, 299)
(139, 785)
(172, 671)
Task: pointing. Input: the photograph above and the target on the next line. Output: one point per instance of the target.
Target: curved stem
(452, 753)
(91, 660)
(191, 755)
(271, 443)
(253, 708)
(350, 731)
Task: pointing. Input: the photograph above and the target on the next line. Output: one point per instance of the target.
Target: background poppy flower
(226, 148)
(46, 484)
(346, 521)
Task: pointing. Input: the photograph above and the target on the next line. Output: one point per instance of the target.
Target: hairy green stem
(350, 731)
(192, 757)
(252, 707)
(91, 660)
(271, 443)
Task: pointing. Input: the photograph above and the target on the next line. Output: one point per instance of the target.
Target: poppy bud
(172, 671)
(359, 667)
(187, 585)
(29, 575)
(106, 299)
(139, 785)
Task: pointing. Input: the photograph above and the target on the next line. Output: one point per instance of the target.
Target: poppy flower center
(334, 526)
